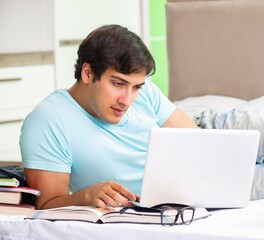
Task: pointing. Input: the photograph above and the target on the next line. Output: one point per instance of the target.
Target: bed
(216, 60)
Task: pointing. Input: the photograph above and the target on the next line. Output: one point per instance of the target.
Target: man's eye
(138, 86)
(118, 84)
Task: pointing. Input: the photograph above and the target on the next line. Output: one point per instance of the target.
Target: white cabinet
(74, 20)
(21, 88)
(9, 141)
(26, 77)
(26, 26)
(53, 28)
(65, 60)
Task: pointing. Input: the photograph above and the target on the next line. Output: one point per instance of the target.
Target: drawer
(9, 141)
(21, 88)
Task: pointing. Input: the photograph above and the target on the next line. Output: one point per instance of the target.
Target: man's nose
(126, 98)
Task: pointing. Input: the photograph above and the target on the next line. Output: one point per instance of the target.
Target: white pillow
(256, 105)
(194, 105)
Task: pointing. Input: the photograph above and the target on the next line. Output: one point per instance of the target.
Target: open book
(105, 215)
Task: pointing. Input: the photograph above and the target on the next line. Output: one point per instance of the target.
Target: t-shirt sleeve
(43, 143)
(162, 106)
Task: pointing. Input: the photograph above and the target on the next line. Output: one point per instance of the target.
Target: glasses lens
(187, 215)
(168, 216)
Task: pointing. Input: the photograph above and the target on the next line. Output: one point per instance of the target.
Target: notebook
(200, 167)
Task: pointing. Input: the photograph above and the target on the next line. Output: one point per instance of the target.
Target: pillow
(255, 105)
(194, 105)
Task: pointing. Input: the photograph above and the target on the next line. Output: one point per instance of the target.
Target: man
(92, 138)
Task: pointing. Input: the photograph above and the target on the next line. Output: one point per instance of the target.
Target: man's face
(109, 97)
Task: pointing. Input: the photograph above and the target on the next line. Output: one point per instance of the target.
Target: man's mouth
(118, 111)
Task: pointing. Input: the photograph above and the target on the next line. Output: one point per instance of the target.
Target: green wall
(157, 32)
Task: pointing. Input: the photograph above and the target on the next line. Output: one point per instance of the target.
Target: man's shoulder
(58, 97)
(51, 107)
(54, 102)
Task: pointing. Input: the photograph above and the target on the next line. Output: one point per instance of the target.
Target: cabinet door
(9, 141)
(21, 88)
(26, 26)
(75, 19)
(66, 57)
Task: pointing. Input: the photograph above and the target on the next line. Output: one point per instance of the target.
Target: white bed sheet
(231, 224)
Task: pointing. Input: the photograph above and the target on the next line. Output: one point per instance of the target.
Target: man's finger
(121, 195)
(110, 201)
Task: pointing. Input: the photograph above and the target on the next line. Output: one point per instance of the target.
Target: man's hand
(54, 187)
(106, 193)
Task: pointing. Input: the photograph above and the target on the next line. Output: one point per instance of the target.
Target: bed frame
(216, 47)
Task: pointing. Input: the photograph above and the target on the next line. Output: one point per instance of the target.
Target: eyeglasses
(173, 214)
(170, 214)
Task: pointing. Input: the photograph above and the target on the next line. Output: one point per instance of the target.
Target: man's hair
(114, 46)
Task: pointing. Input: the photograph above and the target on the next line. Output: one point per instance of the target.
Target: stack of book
(12, 195)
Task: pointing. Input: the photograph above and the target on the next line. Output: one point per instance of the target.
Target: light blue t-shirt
(59, 135)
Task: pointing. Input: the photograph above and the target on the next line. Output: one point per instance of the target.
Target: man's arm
(179, 119)
(55, 192)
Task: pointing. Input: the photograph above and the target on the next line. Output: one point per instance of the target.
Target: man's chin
(113, 120)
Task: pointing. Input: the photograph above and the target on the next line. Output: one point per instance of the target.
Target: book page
(78, 213)
(106, 215)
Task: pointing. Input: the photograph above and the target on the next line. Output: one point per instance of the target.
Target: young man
(92, 138)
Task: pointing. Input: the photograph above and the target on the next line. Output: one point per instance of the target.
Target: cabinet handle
(11, 79)
(11, 121)
(70, 42)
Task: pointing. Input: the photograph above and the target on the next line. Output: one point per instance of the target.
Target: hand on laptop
(103, 194)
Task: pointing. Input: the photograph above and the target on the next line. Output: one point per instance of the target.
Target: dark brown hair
(114, 46)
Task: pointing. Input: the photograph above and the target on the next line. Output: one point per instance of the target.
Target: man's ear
(86, 73)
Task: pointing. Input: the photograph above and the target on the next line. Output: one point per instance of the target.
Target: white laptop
(199, 167)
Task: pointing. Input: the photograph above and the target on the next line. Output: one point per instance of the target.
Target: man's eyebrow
(122, 79)
(119, 78)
